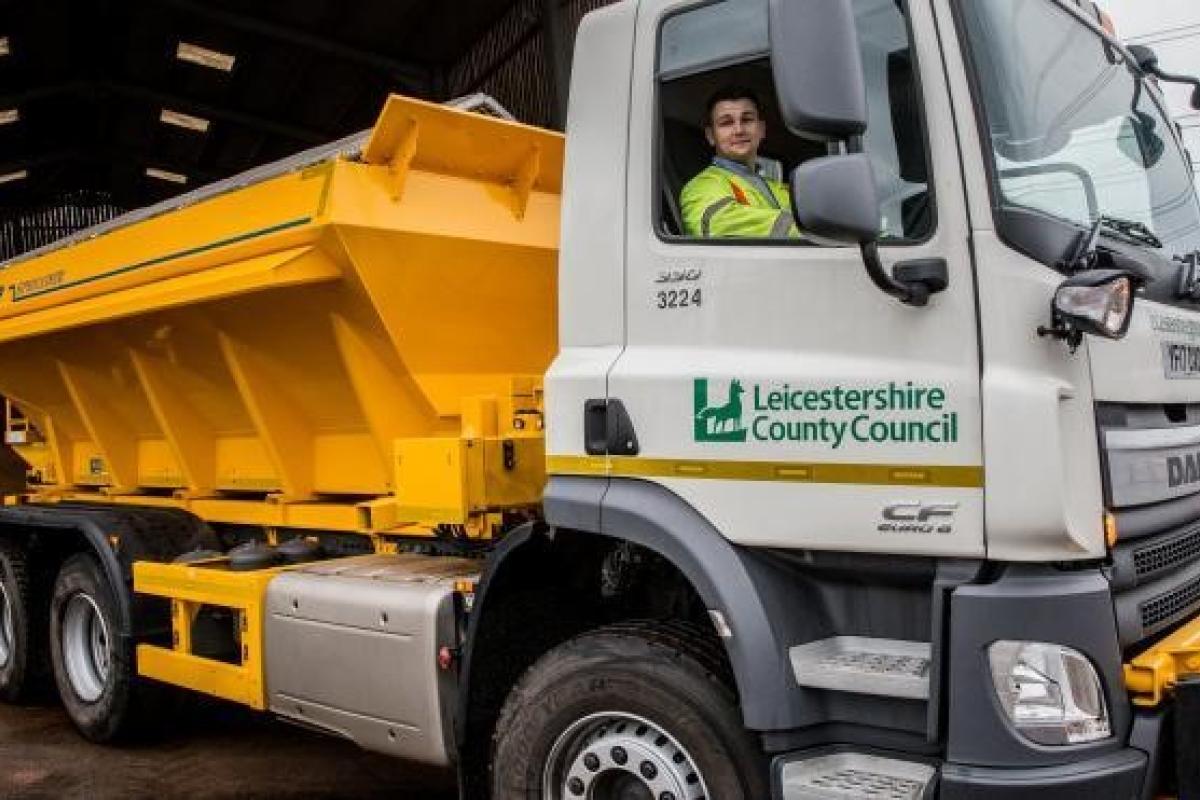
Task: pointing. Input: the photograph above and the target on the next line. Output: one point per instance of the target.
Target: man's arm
(710, 209)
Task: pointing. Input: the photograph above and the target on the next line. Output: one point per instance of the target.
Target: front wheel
(626, 713)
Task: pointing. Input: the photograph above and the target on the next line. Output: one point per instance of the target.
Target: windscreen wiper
(1139, 232)
(1085, 254)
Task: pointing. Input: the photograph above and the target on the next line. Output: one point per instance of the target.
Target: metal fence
(25, 229)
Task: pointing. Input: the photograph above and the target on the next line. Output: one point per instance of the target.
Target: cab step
(843, 776)
(886, 667)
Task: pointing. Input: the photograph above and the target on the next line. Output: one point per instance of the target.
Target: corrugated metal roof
(89, 82)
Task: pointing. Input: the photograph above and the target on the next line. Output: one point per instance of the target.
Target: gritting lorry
(444, 439)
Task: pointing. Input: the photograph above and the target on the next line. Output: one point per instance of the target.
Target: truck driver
(730, 198)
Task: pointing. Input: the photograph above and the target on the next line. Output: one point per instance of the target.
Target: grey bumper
(1117, 776)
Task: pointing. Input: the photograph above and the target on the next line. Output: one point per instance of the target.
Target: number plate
(1181, 360)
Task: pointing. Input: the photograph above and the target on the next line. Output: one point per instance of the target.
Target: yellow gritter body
(354, 345)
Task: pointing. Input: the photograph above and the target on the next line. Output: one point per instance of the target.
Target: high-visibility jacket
(728, 199)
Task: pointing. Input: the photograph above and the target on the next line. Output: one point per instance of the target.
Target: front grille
(1154, 569)
(1163, 555)
(1170, 606)
(1155, 555)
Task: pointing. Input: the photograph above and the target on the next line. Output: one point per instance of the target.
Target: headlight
(1051, 693)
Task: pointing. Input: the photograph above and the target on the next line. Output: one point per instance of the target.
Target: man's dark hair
(729, 93)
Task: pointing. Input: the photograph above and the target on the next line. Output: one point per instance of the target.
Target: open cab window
(725, 44)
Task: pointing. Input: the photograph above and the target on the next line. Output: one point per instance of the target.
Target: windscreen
(1074, 133)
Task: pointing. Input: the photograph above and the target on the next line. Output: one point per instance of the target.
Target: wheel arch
(747, 592)
(116, 537)
(724, 578)
(51, 525)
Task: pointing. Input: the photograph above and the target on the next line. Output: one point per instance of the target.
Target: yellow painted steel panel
(88, 466)
(433, 476)
(157, 466)
(242, 465)
(349, 463)
(223, 229)
(295, 266)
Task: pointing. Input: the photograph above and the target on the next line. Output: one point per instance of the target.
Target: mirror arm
(913, 294)
(1187, 80)
(1168, 77)
(1061, 330)
(1147, 63)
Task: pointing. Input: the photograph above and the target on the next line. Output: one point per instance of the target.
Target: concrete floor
(207, 750)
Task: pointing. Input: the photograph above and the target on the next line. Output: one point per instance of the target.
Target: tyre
(626, 712)
(92, 657)
(22, 628)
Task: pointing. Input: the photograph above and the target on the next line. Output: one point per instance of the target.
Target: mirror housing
(1097, 302)
(817, 68)
(834, 198)
(1140, 142)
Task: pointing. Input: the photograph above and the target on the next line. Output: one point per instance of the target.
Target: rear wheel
(93, 662)
(625, 713)
(22, 629)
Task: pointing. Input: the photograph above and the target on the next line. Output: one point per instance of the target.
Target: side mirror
(817, 68)
(1139, 141)
(822, 95)
(834, 198)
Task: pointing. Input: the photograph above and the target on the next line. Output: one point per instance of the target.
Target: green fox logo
(718, 423)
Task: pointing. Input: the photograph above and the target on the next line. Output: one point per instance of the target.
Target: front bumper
(1119, 776)
(1154, 705)
(1162, 759)
(1154, 713)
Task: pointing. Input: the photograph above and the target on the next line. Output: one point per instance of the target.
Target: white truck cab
(907, 506)
(944, 455)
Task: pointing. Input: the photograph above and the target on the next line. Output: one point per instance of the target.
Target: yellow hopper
(353, 339)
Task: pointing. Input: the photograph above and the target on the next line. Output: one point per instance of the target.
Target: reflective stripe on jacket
(721, 202)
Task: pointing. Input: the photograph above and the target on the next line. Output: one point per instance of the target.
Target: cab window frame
(658, 146)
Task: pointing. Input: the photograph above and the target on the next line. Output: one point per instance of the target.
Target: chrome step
(855, 775)
(888, 667)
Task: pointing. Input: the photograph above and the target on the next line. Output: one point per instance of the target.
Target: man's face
(736, 130)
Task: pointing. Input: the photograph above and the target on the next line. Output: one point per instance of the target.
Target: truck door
(769, 383)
